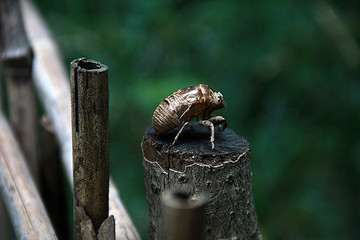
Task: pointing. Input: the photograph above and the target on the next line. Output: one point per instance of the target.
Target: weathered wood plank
(20, 195)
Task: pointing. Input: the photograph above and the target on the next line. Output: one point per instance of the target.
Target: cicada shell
(185, 104)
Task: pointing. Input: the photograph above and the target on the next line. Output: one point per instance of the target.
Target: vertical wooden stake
(90, 141)
(52, 187)
(5, 225)
(184, 215)
(16, 58)
(1, 96)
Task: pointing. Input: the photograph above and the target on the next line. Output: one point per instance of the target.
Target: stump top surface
(196, 138)
(193, 146)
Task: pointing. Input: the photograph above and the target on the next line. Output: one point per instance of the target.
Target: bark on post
(224, 174)
(90, 138)
(17, 58)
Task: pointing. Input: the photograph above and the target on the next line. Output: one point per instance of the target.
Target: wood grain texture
(52, 84)
(20, 195)
(224, 175)
(90, 138)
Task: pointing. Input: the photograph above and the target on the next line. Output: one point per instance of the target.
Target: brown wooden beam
(26, 210)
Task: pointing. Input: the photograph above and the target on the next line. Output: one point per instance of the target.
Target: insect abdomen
(176, 108)
(165, 117)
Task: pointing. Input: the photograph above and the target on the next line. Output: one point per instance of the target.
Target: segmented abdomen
(165, 117)
(177, 108)
(174, 109)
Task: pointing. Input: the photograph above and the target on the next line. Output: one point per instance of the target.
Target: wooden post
(17, 58)
(224, 174)
(52, 187)
(18, 190)
(189, 210)
(52, 85)
(5, 225)
(1, 93)
(90, 137)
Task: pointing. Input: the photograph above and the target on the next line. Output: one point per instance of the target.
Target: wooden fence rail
(19, 192)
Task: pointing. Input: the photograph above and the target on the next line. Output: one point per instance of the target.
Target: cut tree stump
(223, 175)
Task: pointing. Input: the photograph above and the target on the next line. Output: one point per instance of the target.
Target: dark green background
(288, 72)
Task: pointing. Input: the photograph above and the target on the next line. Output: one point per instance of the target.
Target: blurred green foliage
(289, 71)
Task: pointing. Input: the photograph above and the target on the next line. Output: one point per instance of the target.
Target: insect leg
(188, 108)
(178, 134)
(219, 121)
(208, 123)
